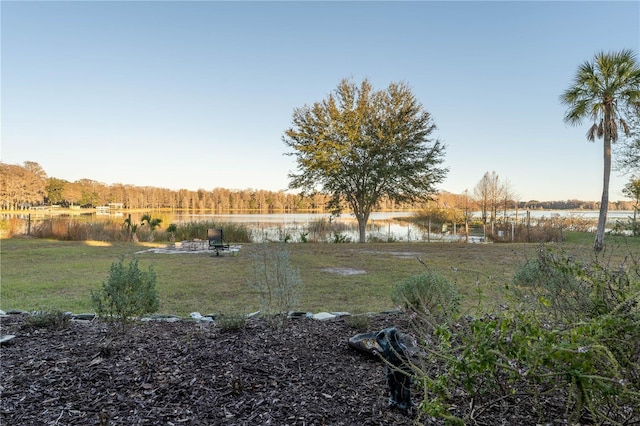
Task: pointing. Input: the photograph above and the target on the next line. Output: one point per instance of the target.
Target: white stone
(323, 316)
(6, 338)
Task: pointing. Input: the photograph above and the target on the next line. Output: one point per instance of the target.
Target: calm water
(382, 225)
(294, 225)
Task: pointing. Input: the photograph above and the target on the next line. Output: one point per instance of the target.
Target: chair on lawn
(216, 241)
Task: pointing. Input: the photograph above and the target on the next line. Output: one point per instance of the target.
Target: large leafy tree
(54, 190)
(603, 90)
(358, 145)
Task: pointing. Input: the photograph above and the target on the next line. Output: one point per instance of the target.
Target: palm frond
(591, 133)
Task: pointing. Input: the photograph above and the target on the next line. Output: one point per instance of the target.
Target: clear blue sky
(198, 94)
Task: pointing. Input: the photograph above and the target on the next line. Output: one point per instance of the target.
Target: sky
(198, 95)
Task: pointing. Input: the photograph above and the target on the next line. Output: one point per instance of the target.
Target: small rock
(84, 317)
(6, 338)
(298, 315)
(161, 318)
(323, 316)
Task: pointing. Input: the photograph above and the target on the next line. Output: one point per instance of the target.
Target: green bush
(584, 348)
(429, 297)
(52, 319)
(276, 283)
(127, 293)
(231, 321)
(555, 283)
(358, 320)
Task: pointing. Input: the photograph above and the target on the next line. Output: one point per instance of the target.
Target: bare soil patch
(345, 271)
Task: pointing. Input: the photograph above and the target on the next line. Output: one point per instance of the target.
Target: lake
(382, 226)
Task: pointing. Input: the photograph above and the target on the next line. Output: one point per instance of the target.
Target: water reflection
(297, 227)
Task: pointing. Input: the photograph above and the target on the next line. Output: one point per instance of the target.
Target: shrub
(589, 358)
(429, 297)
(275, 281)
(128, 292)
(359, 321)
(553, 283)
(231, 321)
(52, 319)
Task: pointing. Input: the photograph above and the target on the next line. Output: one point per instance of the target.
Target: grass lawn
(50, 274)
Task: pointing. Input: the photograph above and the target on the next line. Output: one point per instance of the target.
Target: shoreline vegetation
(71, 210)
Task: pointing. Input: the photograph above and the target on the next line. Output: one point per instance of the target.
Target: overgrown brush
(569, 343)
(543, 231)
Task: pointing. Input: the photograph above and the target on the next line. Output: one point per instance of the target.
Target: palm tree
(603, 90)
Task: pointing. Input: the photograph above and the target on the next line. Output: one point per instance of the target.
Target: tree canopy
(359, 145)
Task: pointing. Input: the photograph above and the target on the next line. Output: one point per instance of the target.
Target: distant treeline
(28, 186)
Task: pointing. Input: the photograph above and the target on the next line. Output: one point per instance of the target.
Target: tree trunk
(362, 228)
(604, 203)
(362, 215)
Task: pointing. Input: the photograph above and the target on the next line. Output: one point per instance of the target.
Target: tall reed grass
(72, 229)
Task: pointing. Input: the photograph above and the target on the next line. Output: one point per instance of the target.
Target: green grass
(49, 274)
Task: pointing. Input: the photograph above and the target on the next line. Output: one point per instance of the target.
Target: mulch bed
(192, 373)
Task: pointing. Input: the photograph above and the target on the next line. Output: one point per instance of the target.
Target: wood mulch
(188, 373)
(191, 373)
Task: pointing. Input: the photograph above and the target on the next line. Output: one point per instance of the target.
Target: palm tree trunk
(604, 203)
